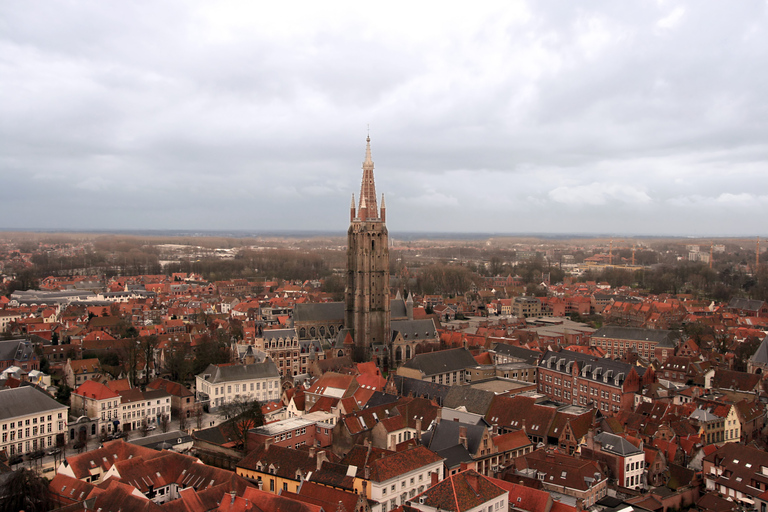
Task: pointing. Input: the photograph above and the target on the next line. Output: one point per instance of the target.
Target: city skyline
(645, 118)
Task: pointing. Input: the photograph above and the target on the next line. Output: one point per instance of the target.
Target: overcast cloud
(543, 116)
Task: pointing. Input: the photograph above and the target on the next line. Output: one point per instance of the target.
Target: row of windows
(28, 421)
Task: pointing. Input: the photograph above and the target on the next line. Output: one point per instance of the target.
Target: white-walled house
(219, 384)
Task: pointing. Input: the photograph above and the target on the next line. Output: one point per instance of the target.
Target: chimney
(418, 427)
(439, 415)
(463, 466)
(463, 436)
(312, 452)
(270, 440)
(321, 457)
(435, 478)
(233, 494)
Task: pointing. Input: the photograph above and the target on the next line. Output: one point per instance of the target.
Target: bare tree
(25, 490)
(183, 421)
(164, 421)
(199, 416)
(242, 414)
(144, 427)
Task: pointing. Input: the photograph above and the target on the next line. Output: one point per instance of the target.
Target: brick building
(648, 343)
(581, 379)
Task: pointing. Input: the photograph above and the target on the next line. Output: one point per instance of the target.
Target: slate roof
(319, 312)
(20, 350)
(761, 354)
(446, 434)
(217, 374)
(616, 444)
(663, 337)
(605, 365)
(442, 361)
(746, 304)
(286, 461)
(397, 309)
(414, 329)
(523, 354)
(407, 386)
(270, 334)
(26, 400)
(455, 455)
(477, 401)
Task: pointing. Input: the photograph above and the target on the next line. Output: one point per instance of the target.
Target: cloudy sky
(637, 117)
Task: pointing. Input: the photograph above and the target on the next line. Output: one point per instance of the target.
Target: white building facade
(221, 384)
(30, 420)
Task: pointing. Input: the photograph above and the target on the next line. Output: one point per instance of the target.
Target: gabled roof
(217, 374)
(319, 312)
(442, 361)
(463, 491)
(24, 401)
(95, 390)
(662, 337)
(616, 444)
(398, 463)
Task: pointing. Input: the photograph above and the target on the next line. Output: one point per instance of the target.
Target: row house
(580, 379)
(77, 371)
(96, 400)
(579, 478)
(738, 472)
(625, 460)
(19, 353)
(138, 408)
(280, 469)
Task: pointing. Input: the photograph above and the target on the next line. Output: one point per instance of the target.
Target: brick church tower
(367, 291)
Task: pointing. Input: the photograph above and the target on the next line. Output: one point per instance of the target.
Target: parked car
(119, 435)
(37, 454)
(151, 427)
(53, 451)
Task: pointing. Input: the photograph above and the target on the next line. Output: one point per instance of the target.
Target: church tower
(367, 292)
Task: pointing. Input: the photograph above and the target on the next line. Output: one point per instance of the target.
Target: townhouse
(96, 400)
(138, 407)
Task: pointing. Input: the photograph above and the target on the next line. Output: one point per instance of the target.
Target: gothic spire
(368, 187)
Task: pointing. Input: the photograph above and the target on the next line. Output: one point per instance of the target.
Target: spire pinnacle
(368, 187)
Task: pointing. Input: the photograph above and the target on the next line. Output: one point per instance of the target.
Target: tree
(164, 422)
(242, 414)
(177, 362)
(183, 422)
(25, 490)
(147, 345)
(199, 416)
(63, 393)
(144, 428)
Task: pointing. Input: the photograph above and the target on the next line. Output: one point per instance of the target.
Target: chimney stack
(463, 436)
(321, 457)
